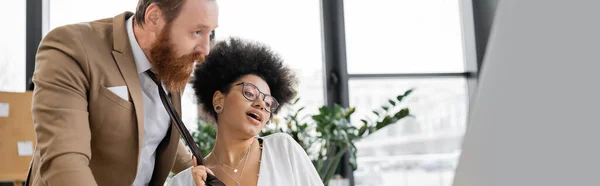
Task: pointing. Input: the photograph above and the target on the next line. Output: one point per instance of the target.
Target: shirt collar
(141, 61)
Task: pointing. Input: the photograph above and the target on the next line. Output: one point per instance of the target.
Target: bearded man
(97, 113)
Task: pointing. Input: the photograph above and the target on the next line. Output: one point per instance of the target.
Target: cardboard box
(17, 136)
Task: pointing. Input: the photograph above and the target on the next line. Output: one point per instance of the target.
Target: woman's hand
(200, 172)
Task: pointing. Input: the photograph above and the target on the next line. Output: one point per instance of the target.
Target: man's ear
(153, 18)
(218, 99)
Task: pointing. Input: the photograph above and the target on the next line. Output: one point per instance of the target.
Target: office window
(12, 46)
(416, 151)
(62, 12)
(402, 38)
(290, 28)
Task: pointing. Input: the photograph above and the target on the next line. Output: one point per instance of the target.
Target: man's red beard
(173, 71)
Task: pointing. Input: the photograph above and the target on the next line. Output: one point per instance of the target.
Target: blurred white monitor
(535, 120)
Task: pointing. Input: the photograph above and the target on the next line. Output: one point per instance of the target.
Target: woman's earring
(218, 108)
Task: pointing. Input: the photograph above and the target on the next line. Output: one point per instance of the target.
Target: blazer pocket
(115, 98)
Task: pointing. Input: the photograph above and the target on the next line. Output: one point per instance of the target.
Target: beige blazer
(86, 134)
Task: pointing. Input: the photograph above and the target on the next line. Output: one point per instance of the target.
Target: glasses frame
(272, 108)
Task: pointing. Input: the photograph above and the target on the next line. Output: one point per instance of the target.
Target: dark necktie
(211, 180)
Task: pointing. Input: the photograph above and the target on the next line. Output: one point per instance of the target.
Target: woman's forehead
(260, 83)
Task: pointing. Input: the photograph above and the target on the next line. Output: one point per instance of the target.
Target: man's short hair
(170, 9)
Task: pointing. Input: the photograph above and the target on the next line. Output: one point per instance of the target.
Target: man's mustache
(191, 58)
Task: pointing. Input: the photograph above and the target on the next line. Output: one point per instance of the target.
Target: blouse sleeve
(183, 178)
(303, 169)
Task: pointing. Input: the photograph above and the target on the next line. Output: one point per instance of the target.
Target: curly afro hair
(231, 59)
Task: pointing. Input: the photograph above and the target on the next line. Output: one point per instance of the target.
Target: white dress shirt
(283, 162)
(156, 120)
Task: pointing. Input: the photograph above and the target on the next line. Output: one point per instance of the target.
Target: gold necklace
(244, 167)
(235, 170)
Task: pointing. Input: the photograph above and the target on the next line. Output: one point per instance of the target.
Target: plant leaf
(349, 113)
(402, 113)
(392, 102)
(400, 97)
(372, 129)
(386, 121)
(352, 161)
(363, 129)
(408, 92)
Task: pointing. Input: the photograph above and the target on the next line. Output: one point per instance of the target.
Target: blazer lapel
(124, 58)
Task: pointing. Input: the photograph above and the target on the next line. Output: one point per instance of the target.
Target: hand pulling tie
(211, 180)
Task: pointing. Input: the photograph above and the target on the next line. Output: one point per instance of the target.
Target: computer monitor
(535, 120)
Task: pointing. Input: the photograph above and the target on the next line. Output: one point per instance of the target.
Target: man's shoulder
(87, 43)
(83, 30)
(96, 32)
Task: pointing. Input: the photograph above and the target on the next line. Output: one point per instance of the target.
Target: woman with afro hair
(241, 85)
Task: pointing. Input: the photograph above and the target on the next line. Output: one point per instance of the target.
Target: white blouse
(283, 162)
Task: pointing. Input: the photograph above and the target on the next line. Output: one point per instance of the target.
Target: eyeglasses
(251, 93)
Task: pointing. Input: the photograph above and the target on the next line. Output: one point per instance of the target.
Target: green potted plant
(325, 136)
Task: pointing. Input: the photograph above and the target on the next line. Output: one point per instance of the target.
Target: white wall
(535, 118)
